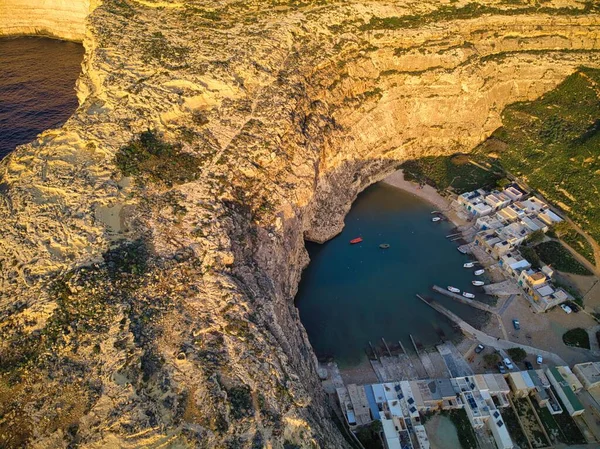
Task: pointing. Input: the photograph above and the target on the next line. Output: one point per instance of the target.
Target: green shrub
(151, 158)
(240, 400)
(553, 253)
(517, 354)
(577, 337)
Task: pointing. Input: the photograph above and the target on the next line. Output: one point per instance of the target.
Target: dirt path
(593, 244)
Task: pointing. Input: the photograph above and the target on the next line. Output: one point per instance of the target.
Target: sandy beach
(426, 193)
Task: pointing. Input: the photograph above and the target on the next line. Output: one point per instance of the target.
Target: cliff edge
(151, 248)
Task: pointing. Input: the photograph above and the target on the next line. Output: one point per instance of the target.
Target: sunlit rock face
(64, 19)
(157, 308)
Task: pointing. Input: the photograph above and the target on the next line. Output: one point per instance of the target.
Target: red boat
(356, 240)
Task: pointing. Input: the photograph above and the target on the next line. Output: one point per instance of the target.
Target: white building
(513, 193)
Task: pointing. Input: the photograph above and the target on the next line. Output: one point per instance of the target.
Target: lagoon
(352, 294)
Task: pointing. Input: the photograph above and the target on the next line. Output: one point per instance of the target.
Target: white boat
(478, 283)
(436, 219)
(453, 289)
(469, 265)
(468, 295)
(479, 272)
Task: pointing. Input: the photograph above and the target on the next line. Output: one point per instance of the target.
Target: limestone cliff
(156, 309)
(64, 19)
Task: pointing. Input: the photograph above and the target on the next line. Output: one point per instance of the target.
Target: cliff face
(64, 19)
(157, 308)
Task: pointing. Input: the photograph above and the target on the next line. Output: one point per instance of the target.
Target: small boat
(468, 295)
(453, 289)
(477, 283)
(479, 272)
(384, 245)
(356, 240)
(436, 219)
(469, 265)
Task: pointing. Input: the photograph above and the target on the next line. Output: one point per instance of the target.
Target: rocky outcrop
(64, 19)
(157, 308)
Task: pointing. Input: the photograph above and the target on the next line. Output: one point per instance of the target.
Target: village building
(531, 205)
(549, 217)
(566, 388)
(497, 200)
(588, 374)
(474, 203)
(490, 222)
(514, 263)
(513, 192)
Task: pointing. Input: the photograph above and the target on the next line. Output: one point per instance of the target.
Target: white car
(566, 308)
(508, 363)
(539, 359)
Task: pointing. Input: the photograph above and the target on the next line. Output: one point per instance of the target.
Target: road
(493, 342)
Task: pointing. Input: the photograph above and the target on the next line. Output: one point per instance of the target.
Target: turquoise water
(352, 294)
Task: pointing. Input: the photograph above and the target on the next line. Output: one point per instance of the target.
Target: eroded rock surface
(157, 309)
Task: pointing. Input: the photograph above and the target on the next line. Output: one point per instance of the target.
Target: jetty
(488, 340)
(470, 302)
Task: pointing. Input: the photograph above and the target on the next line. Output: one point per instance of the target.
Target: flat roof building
(359, 404)
(588, 374)
(564, 391)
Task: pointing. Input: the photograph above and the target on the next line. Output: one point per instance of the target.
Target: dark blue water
(352, 294)
(37, 87)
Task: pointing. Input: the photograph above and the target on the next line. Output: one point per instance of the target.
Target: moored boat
(453, 289)
(479, 272)
(469, 265)
(478, 283)
(436, 219)
(468, 295)
(356, 240)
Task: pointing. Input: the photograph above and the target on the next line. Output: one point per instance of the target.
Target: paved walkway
(488, 340)
(506, 304)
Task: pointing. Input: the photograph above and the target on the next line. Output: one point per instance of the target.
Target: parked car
(479, 348)
(501, 368)
(516, 324)
(539, 359)
(566, 308)
(528, 364)
(508, 363)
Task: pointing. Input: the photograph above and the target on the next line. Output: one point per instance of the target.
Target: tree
(491, 359)
(535, 237)
(517, 354)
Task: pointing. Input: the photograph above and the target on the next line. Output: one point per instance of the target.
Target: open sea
(352, 294)
(37, 87)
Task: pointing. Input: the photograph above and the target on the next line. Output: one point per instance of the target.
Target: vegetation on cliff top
(469, 11)
(550, 143)
(149, 157)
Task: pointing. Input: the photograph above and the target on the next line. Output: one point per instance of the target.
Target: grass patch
(569, 430)
(151, 158)
(512, 424)
(577, 337)
(443, 172)
(578, 242)
(553, 253)
(464, 430)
